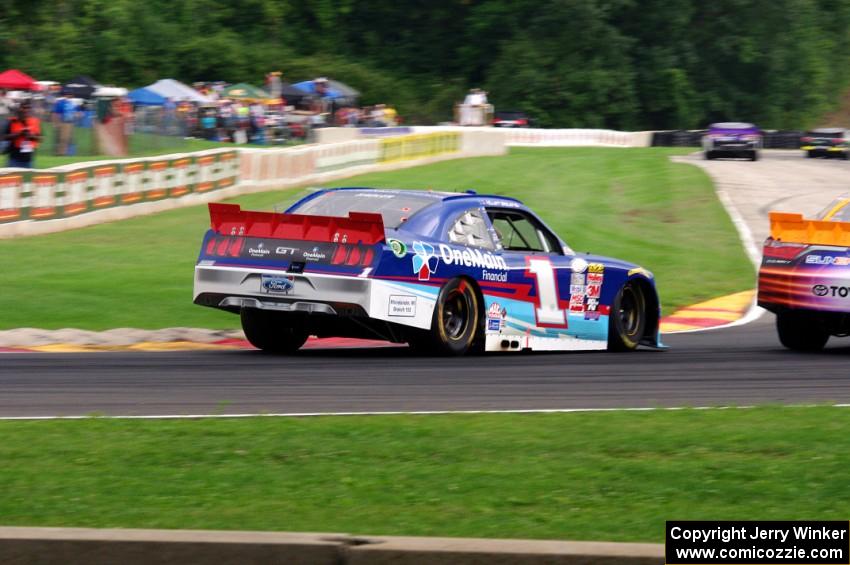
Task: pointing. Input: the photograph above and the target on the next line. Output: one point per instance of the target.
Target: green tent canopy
(244, 91)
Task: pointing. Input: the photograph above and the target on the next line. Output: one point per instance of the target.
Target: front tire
(456, 323)
(754, 156)
(627, 319)
(272, 332)
(800, 331)
(709, 155)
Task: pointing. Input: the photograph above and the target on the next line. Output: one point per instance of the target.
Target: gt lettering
(547, 292)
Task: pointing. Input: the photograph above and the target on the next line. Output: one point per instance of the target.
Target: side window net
(471, 229)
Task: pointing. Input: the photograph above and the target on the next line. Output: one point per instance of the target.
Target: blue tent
(145, 97)
(309, 87)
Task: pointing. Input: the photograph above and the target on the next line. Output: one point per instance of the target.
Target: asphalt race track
(733, 366)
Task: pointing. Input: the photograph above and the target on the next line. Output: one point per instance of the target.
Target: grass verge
(582, 476)
(632, 204)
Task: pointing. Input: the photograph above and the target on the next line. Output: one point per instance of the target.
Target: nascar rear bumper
(733, 146)
(825, 150)
(234, 288)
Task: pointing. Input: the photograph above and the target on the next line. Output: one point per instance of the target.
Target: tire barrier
(773, 139)
(89, 193)
(64, 192)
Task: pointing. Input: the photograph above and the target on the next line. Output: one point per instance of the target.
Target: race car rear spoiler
(793, 228)
(358, 227)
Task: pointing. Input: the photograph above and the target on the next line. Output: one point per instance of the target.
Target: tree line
(625, 64)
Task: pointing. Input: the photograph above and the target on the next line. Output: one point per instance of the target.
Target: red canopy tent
(14, 79)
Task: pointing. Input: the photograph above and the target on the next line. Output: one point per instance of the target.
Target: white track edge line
(745, 234)
(411, 413)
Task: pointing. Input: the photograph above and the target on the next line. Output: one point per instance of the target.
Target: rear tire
(456, 323)
(809, 155)
(627, 319)
(800, 331)
(271, 332)
(754, 156)
(709, 155)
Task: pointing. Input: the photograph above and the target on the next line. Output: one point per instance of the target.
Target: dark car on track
(732, 139)
(511, 119)
(825, 142)
(445, 272)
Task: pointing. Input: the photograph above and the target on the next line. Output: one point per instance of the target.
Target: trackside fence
(64, 192)
(42, 201)
(773, 139)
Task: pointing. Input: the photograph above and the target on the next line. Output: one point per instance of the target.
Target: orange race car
(805, 276)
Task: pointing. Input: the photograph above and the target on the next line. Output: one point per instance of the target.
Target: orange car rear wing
(793, 228)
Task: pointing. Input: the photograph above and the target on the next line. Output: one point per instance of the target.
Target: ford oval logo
(280, 285)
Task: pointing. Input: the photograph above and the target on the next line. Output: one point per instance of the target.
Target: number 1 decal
(547, 310)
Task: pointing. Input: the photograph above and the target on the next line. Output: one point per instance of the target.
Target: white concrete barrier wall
(536, 137)
(73, 196)
(43, 201)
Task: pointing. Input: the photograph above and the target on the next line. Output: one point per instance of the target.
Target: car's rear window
(826, 133)
(506, 115)
(837, 211)
(395, 206)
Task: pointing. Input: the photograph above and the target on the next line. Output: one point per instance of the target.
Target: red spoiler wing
(358, 227)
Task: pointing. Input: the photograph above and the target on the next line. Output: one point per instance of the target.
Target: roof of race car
(827, 130)
(432, 194)
(732, 125)
(398, 207)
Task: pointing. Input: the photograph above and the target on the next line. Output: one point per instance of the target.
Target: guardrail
(42, 201)
(83, 546)
(573, 137)
(77, 189)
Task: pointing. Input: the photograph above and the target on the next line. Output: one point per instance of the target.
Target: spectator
(63, 116)
(378, 119)
(23, 132)
(5, 111)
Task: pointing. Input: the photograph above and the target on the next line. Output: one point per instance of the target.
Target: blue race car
(445, 272)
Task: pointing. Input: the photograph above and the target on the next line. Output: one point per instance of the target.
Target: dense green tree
(569, 63)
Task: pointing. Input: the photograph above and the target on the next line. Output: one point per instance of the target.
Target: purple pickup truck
(732, 139)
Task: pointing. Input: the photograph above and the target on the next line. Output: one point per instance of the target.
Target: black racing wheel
(456, 323)
(800, 331)
(627, 320)
(272, 332)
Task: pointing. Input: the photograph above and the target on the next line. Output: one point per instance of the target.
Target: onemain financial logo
(471, 258)
(744, 542)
